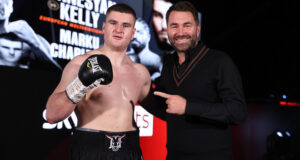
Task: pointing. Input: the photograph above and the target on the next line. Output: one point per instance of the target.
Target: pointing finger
(162, 94)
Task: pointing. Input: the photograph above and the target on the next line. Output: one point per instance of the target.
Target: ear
(133, 32)
(103, 26)
(198, 30)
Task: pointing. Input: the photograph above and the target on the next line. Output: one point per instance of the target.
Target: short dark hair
(123, 8)
(184, 6)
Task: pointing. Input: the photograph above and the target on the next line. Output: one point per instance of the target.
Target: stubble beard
(184, 47)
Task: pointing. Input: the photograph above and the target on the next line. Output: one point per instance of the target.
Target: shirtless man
(106, 128)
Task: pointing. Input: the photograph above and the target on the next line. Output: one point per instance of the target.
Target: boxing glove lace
(95, 70)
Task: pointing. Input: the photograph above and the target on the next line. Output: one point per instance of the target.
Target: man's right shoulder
(75, 62)
(79, 59)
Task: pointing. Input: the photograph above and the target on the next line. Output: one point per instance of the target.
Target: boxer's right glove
(95, 70)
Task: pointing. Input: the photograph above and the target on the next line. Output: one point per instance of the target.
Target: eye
(157, 14)
(18, 49)
(174, 26)
(112, 22)
(126, 25)
(187, 25)
(6, 47)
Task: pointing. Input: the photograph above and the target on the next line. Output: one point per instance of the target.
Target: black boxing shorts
(90, 144)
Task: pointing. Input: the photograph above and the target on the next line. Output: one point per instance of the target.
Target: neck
(117, 57)
(181, 57)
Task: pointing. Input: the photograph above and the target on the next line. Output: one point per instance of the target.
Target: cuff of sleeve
(193, 108)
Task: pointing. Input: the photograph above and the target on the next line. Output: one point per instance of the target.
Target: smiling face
(118, 30)
(183, 31)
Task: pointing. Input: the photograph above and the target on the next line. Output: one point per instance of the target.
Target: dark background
(262, 37)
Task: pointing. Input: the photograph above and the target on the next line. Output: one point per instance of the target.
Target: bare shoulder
(141, 68)
(142, 71)
(78, 60)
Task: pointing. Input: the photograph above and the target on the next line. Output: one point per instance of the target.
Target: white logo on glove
(95, 65)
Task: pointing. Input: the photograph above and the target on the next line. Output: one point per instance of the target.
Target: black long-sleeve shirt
(211, 84)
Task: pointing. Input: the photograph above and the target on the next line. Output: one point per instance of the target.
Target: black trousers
(89, 144)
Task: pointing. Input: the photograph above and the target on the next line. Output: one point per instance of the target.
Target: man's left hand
(176, 104)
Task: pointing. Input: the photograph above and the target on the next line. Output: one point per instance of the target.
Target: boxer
(102, 87)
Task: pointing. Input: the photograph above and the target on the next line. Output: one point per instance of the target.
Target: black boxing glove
(95, 70)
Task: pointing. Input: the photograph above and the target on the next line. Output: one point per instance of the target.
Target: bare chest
(125, 86)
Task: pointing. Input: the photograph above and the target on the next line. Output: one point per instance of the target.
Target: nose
(11, 51)
(180, 31)
(119, 28)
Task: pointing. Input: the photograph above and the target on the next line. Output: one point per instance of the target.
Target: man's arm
(147, 100)
(76, 82)
(154, 104)
(232, 107)
(59, 106)
(145, 78)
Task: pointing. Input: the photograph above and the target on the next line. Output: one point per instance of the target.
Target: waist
(109, 127)
(106, 140)
(106, 132)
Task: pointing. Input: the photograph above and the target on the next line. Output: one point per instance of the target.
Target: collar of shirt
(189, 55)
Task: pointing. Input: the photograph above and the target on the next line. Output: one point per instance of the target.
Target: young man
(103, 86)
(201, 93)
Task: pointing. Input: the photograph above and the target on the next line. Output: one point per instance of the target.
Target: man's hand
(176, 104)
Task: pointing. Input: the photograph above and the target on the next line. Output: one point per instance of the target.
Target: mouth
(182, 39)
(117, 37)
(12, 55)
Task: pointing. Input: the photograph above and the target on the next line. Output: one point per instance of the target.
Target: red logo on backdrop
(144, 121)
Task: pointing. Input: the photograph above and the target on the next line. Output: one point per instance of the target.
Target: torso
(110, 107)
